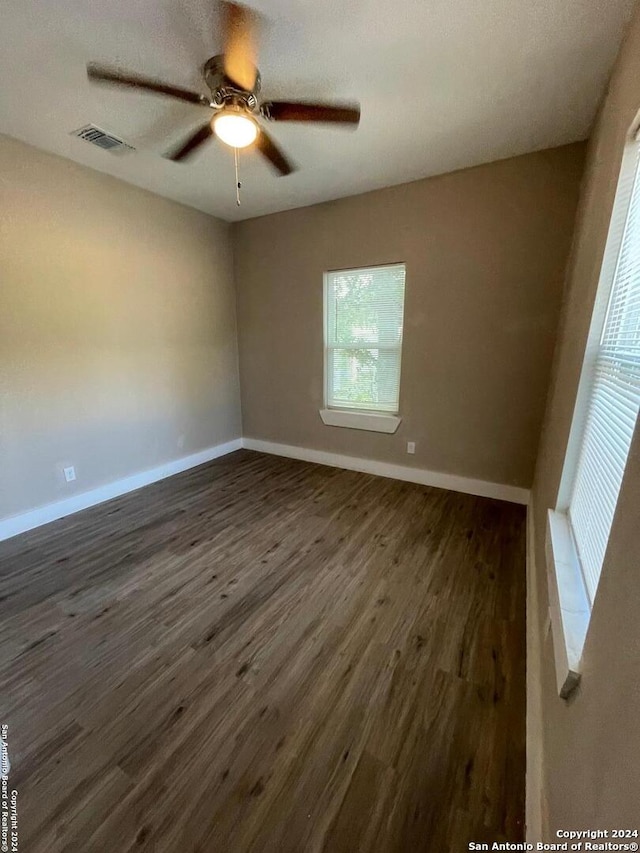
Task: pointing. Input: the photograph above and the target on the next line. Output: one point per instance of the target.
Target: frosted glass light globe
(235, 129)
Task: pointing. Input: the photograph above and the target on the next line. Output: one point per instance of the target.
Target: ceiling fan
(234, 83)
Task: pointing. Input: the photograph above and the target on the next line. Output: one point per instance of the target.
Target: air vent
(106, 141)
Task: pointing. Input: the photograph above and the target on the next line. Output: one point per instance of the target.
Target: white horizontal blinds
(363, 312)
(614, 398)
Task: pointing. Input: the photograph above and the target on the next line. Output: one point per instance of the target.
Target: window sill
(569, 607)
(370, 421)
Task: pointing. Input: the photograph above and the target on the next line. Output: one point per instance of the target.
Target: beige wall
(485, 250)
(117, 329)
(592, 746)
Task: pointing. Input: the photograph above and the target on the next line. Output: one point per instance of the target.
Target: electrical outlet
(69, 473)
(180, 442)
(411, 447)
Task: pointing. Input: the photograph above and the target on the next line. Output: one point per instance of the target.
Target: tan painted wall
(117, 329)
(485, 250)
(592, 746)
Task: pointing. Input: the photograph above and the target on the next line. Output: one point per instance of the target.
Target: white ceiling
(443, 85)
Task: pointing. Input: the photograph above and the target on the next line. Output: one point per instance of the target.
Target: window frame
(630, 163)
(375, 419)
(570, 601)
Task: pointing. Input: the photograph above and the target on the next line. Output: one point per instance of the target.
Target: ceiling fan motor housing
(224, 91)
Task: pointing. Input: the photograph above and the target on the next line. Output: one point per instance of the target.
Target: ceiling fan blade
(307, 111)
(268, 148)
(197, 138)
(240, 25)
(101, 74)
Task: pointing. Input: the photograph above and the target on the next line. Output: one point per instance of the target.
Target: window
(611, 386)
(604, 421)
(363, 315)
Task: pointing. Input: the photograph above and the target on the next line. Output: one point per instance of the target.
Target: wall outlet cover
(411, 447)
(69, 474)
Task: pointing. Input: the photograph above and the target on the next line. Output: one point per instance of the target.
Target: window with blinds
(363, 338)
(610, 384)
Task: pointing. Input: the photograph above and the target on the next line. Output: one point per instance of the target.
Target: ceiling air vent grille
(106, 141)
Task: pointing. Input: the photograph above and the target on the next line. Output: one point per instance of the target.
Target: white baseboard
(534, 777)
(16, 524)
(513, 494)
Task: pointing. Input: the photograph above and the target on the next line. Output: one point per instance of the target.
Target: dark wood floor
(263, 654)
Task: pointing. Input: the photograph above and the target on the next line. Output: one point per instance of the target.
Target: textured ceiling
(442, 85)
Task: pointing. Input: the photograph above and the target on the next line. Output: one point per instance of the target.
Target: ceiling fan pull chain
(238, 184)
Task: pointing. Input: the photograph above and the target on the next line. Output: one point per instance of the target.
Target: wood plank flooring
(267, 655)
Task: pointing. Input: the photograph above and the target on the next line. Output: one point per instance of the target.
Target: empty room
(319, 456)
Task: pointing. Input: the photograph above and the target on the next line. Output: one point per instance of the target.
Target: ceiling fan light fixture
(234, 128)
(234, 111)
